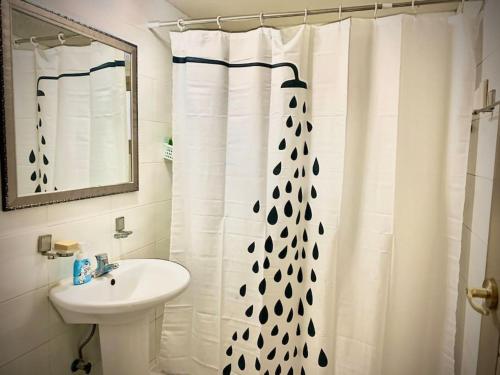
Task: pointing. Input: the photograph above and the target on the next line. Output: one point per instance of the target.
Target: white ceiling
(214, 8)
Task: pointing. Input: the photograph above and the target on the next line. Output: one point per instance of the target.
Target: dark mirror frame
(10, 198)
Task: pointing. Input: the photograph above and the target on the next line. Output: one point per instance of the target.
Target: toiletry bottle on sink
(82, 273)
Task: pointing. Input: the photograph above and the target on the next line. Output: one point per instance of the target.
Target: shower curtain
(23, 73)
(318, 190)
(71, 116)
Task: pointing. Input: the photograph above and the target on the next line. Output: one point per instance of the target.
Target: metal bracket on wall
(120, 228)
(491, 103)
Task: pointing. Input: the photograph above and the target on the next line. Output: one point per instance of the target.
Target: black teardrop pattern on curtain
(42, 143)
(284, 316)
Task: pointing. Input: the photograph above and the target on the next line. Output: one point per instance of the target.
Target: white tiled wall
(33, 338)
(478, 195)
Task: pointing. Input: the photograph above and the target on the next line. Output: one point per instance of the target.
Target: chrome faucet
(103, 266)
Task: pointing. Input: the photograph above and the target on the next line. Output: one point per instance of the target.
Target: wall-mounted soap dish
(45, 248)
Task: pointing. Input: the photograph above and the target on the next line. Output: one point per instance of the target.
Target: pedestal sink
(119, 302)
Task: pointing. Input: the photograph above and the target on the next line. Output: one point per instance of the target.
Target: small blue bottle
(82, 273)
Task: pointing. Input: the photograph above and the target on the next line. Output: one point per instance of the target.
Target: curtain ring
(340, 12)
(261, 18)
(218, 22)
(375, 10)
(305, 15)
(32, 41)
(180, 24)
(60, 36)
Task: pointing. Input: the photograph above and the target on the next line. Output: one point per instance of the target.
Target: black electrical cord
(86, 341)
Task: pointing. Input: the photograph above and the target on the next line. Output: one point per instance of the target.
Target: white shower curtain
(79, 136)
(319, 178)
(25, 112)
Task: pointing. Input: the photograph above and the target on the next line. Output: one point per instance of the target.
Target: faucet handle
(102, 258)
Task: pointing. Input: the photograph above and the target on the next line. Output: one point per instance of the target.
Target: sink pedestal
(120, 302)
(125, 347)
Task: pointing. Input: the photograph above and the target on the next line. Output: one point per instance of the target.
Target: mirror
(69, 128)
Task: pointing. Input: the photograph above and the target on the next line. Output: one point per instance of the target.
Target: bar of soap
(66, 246)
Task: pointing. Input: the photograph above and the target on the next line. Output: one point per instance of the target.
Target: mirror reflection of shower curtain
(81, 131)
(23, 72)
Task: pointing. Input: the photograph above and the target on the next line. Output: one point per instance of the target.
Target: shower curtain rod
(35, 39)
(181, 23)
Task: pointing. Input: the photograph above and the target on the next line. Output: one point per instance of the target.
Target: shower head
(294, 83)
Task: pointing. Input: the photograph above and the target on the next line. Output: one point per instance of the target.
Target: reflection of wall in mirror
(71, 118)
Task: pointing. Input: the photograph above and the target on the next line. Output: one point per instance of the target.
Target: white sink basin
(120, 302)
(122, 295)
